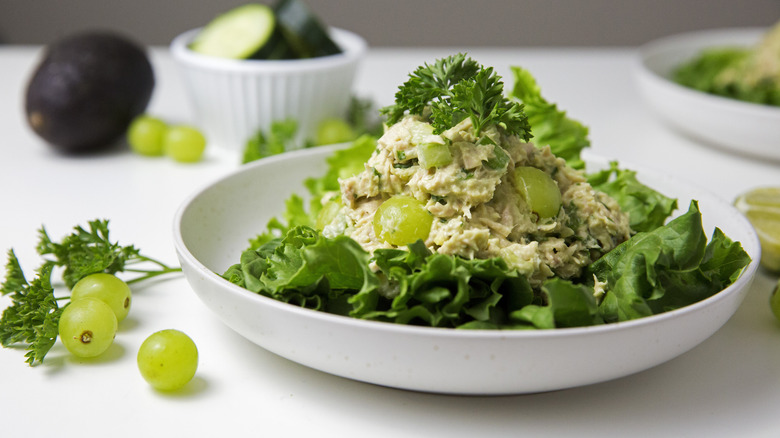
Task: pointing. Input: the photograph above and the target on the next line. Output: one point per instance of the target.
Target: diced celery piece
(420, 130)
(433, 155)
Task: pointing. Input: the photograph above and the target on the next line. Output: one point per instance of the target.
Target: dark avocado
(87, 89)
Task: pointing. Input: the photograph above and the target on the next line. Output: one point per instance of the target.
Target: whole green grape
(107, 288)
(145, 135)
(87, 327)
(168, 359)
(402, 220)
(184, 144)
(539, 190)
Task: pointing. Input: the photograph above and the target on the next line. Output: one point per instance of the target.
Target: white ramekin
(233, 99)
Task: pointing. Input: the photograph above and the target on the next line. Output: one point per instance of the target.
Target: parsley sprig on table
(453, 89)
(33, 316)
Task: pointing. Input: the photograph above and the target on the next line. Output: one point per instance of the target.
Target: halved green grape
(87, 327)
(145, 135)
(168, 359)
(433, 155)
(107, 288)
(332, 131)
(539, 190)
(402, 220)
(184, 144)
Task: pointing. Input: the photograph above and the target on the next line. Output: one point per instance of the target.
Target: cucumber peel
(303, 31)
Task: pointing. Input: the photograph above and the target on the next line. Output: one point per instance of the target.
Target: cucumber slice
(303, 31)
(238, 33)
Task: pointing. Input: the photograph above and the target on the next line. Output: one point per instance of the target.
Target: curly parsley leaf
(14, 276)
(33, 316)
(456, 88)
(89, 251)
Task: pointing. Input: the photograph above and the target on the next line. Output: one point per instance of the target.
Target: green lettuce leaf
(343, 163)
(279, 138)
(446, 291)
(647, 208)
(410, 287)
(306, 269)
(571, 305)
(549, 125)
(667, 268)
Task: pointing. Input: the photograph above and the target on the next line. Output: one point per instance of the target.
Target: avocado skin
(87, 89)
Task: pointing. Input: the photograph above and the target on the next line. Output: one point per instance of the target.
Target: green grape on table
(402, 220)
(332, 131)
(539, 190)
(87, 327)
(145, 135)
(107, 288)
(168, 359)
(184, 144)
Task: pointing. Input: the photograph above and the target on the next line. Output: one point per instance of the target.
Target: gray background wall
(405, 22)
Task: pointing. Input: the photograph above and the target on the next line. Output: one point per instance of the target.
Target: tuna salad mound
(488, 196)
(474, 210)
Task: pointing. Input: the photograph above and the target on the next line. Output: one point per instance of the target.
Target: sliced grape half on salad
(474, 210)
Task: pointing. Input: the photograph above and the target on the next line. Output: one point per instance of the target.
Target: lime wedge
(762, 208)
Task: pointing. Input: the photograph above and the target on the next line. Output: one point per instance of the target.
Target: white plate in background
(742, 127)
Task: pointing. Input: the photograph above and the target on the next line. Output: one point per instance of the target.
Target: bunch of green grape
(167, 359)
(88, 323)
(151, 136)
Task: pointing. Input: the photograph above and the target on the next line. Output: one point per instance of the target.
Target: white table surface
(727, 386)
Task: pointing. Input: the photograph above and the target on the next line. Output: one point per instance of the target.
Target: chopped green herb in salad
(510, 231)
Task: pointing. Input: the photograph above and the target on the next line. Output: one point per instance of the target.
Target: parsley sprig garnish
(33, 316)
(456, 88)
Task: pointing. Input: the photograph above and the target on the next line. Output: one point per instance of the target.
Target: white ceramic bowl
(233, 99)
(741, 127)
(213, 226)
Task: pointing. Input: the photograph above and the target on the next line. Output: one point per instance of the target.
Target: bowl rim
(667, 45)
(743, 282)
(353, 48)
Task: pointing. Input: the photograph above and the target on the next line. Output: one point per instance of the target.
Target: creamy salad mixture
(477, 210)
